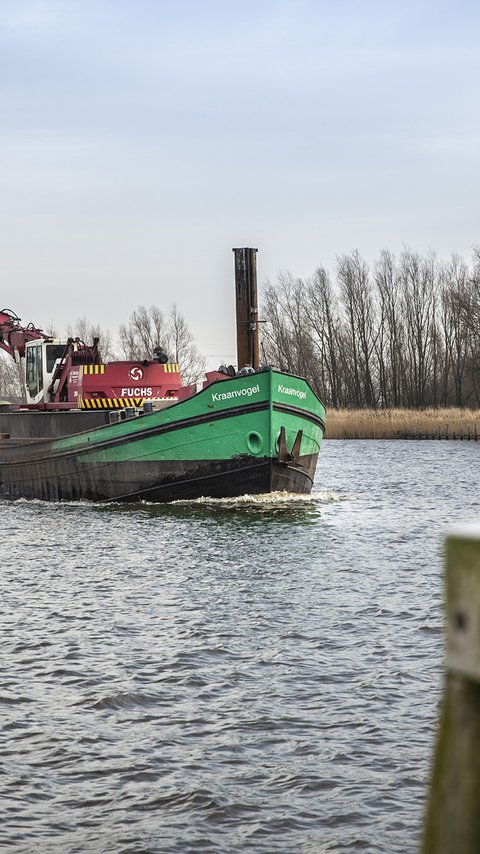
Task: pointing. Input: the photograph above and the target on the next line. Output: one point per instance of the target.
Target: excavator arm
(14, 336)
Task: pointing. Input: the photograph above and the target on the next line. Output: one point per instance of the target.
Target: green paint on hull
(233, 417)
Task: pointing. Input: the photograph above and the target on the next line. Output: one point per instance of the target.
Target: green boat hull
(252, 434)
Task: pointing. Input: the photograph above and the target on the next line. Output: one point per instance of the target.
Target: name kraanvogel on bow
(254, 389)
(302, 395)
(238, 392)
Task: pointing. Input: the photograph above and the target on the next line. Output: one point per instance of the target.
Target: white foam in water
(264, 500)
(276, 499)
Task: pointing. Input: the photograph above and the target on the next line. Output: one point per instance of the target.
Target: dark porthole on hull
(254, 443)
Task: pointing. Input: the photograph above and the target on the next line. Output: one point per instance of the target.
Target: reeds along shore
(403, 424)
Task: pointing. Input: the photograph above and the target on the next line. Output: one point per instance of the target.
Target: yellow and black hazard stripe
(170, 368)
(93, 369)
(111, 402)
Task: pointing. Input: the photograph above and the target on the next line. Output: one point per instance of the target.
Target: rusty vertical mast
(247, 307)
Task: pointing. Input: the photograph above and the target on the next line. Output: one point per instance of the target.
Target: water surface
(254, 675)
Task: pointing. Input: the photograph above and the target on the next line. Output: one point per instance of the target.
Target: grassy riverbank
(403, 424)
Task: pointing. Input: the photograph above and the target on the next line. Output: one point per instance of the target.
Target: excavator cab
(41, 359)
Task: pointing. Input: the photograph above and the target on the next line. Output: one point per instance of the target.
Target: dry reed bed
(403, 424)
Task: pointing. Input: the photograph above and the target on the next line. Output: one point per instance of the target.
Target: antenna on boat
(247, 307)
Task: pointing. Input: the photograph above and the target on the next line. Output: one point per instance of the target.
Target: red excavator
(68, 374)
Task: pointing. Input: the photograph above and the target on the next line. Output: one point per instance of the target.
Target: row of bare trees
(148, 328)
(404, 333)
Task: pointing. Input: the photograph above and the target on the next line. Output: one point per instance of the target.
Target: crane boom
(14, 336)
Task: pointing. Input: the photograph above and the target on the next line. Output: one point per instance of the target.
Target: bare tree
(287, 337)
(391, 333)
(148, 328)
(325, 325)
(145, 330)
(181, 345)
(277, 343)
(11, 380)
(356, 292)
(457, 308)
(473, 326)
(419, 305)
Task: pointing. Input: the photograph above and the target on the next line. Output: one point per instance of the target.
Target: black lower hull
(66, 479)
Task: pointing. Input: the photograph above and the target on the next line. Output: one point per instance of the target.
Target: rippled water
(253, 675)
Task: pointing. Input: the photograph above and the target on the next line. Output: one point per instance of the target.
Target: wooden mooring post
(452, 822)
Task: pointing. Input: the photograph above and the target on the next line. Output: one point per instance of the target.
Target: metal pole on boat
(247, 307)
(452, 821)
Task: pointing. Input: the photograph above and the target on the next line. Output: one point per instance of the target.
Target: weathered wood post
(246, 307)
(452, 824)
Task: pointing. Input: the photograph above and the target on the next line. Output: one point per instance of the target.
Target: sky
(140, 140)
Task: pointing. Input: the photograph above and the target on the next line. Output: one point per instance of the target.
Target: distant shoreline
(444, 423)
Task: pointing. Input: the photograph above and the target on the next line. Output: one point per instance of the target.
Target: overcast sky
(140, 140)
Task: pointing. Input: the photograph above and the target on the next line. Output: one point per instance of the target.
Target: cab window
(34, 372)
(54, 352)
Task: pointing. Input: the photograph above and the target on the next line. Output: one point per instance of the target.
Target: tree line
(404, 332)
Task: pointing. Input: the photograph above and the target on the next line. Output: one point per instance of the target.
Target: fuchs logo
(237, 392)
(302, 395)
(135, 374)
(136, 392)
